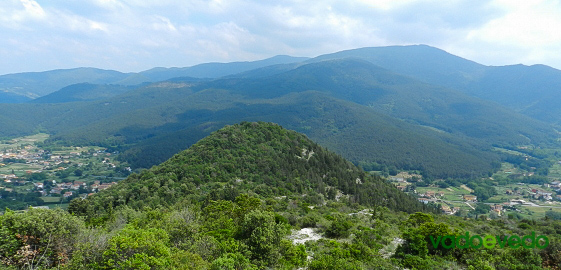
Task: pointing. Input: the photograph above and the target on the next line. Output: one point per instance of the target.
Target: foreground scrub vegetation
(235, 201)
(249, 233)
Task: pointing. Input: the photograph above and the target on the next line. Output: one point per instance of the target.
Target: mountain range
(531, 90)
(38, 84)
(409, 107)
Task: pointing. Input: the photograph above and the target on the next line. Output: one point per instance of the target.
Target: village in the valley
(521, 198)
(31, 176)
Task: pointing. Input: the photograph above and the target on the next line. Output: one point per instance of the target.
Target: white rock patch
(304, 235)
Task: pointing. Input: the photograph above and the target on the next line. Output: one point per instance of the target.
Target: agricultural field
(21, 142)
(522, 186)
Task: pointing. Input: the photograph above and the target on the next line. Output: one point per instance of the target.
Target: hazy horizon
(131, 36)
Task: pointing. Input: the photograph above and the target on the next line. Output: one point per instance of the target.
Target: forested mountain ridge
(425, 63)
(242, 195)
(260, 158)
(38, 84)
(7, 97)
(396, 95)
(531, 90)
(217, 70)
(358, 133)
(83, 92)
(171, 116)
(366, 113)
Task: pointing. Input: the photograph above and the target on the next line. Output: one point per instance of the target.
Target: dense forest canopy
(260, 158)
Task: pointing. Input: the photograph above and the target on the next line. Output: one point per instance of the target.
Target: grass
(508, 151)
(19, 167)
(534, 212)
(18, 142)
(51, 199)
(555, 170)
(455, 193)
(460, 191)
(67, 150)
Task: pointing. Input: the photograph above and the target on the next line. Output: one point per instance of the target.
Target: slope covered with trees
(254, 157)
(83, 92)
(401, 97)
(370, 115)
(152, 123)
(356, 132)
(37, 84)
(241, 199)
(531, 90)
(7, 97)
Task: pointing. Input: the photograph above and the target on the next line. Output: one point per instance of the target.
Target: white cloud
(109, 4)
(527, 33)
(386, 4)
(132, 35)
(163, 24)
(527, 24)
(15, 14)
(33, 9)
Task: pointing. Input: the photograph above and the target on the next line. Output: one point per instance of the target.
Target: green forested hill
(399, 96)
(531, 90)
(358, 133)
(365, 113)
(7, 97)
(36, 84)
(162, 126)
(261, 158)
(217, 70)
(425, 63)
(83, 92)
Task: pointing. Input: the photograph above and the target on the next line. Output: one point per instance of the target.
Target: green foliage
(335, 256)
(482, 208)
(339, 227)
(243, 158)
(190, 235)
(553, 215)
(292, 255)
(231, 261)
(263, 236)
(187, 213)
(37, 176)
(133, 248)
(38, 237)
(416, 219)
(484, 193)
(418, 240)
(418, 262)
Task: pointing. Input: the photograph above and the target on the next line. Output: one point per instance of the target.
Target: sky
(136, 35)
